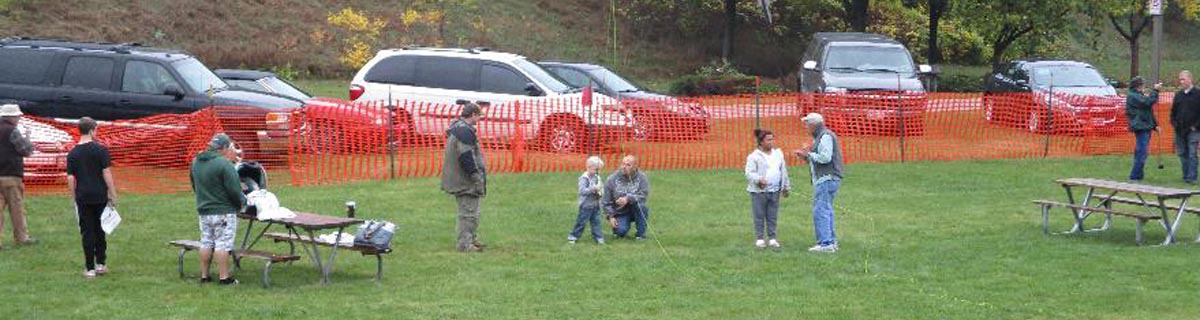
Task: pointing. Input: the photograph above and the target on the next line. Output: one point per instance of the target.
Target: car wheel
(562, 135)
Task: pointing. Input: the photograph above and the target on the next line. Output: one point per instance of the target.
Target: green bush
(696, 85)
(960, 83)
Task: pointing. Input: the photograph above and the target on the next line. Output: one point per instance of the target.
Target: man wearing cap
(824, 157)
(464, 175)
(1139, 109)
(218, 199)
(14, 147)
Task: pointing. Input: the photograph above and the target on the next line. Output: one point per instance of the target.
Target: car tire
(562, 135)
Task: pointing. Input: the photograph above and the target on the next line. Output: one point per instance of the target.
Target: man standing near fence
(824, 157)
(90, 184)
(1185, 117)
(218, 200)
(464, 175)
(14, 147)
(1139, 109)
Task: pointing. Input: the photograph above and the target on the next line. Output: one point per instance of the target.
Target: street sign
(1155, 7)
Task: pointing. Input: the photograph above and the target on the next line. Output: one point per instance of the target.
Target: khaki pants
(12, 196)
(468, 221)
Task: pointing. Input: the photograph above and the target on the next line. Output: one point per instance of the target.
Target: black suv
(61, 79)
(1052, 96)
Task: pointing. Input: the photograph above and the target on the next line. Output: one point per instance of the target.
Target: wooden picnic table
(1105, 193)
(310, 223)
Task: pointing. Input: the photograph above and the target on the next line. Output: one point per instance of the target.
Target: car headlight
(835, 90)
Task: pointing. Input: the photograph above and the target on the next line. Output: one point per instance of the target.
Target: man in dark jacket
(1139, 109)
(464, 175)
(624, 199)
(1185, 117)
(218, 200)
(14, 147)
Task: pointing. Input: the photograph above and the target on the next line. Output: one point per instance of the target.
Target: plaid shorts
(218, 231)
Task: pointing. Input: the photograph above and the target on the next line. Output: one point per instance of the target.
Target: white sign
(1155, 7)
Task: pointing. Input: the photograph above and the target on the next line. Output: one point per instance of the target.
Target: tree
(730, 28)
(856, 14)
(1129, 18)
(936, 8)
(1003, 22)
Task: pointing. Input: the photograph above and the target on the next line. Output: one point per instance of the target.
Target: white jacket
(771, 166)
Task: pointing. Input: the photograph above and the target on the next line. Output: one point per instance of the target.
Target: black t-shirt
(87, 162)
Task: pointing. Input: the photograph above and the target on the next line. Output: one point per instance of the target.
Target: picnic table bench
(271, 258)
(1157, 209)
(291, 238)
(301, 229)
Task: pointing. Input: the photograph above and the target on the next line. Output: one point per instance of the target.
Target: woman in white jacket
(766, 174)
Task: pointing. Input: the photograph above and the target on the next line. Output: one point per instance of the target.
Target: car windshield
(542, 76)
(285, 88)
(868, 59)
(612, 80)
(198, 77)
(1067, 76)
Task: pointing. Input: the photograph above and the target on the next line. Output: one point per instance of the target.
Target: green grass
(955, 240)
(329, 88)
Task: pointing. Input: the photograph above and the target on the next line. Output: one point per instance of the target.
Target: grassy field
(954, 240)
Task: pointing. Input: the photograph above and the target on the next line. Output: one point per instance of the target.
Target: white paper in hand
(109, 220)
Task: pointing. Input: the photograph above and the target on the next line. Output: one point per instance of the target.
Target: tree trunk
(1133, 58)
(730, 28)
(857, 14)
(935, 53)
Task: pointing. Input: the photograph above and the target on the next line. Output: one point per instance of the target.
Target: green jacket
(1139, 109)
(216, 184)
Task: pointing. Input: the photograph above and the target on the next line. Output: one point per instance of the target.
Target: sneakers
(90, 274)
(228, 281)
(824, 248)
(760, 243)
(478, 244)
(472, 248)
(641, 238)
(101, 269)
(571, 240)
(600, 241)
(29, 241)
(773, 243)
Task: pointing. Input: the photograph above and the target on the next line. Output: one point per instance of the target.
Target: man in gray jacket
(464, 175)
(624, 199)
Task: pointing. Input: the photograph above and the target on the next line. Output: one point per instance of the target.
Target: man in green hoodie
(218, 199)
(1139, 109)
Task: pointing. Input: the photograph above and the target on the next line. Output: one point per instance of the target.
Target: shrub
(960, 83)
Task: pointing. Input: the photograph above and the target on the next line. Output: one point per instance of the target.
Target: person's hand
(786, 192)
(1157, 86)
(622, 201)
(612, 221)
(596, 189)
(762, 182)
(112, 201)
(803, 155)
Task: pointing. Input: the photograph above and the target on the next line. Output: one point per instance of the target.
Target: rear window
(447, 73)
(393, 70)
(88, 73)
(24, 66)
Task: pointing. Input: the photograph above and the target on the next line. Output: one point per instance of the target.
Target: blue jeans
(587, 215)
(1141, 150)
(823, 195)
(1185, 148)
(630, 214)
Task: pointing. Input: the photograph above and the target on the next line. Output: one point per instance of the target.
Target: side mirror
(533, 90)
(174, 90)
(924, 69)
(810, 65)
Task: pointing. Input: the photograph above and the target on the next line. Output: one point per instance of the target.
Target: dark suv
(60, 79)
(863, 83)
(1052, 96)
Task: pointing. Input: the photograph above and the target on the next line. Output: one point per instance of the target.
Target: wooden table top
(1164, 192)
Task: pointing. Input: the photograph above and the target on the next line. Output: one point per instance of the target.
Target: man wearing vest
(464, 175)
(825, 162)
(14, 147)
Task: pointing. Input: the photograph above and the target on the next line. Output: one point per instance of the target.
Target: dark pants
(587, 216)
(631, 213)
(1185, 148)
(94, 244)
(1141, 151)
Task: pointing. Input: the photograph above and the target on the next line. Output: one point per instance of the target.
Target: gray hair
(595, 162)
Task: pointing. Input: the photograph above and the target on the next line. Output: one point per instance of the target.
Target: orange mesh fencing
(330, 142)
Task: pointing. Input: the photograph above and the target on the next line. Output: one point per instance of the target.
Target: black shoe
(229, 280)
(205, 279)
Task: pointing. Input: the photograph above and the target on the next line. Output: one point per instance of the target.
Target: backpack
(376, 234)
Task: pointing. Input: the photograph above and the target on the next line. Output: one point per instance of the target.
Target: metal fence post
(392, 141)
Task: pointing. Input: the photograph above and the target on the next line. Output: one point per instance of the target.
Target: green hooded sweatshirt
(216, 184)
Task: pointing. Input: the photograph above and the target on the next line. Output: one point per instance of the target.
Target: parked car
(105, 81)
(659, 117)
(863, 83)
(1023, 93)
(552, 113)
(48, 163)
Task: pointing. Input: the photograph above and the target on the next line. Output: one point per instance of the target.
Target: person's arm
(607, 200)
(752, 169)
(233, 187)
(24, 147)
(585, 187)
(824, 152)
(466, 160)
(786, 185)
(112, 188)
(71, 187)
(643, 190)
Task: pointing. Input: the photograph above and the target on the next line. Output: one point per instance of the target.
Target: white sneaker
(760, 243)
(773, 243)
(89, 274)
(824, 248)
(101, 269)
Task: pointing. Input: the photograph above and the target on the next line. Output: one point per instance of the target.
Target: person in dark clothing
(14, 147)
(90, 182)
(1185, 117)
(1139, 109)
(464, 175)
